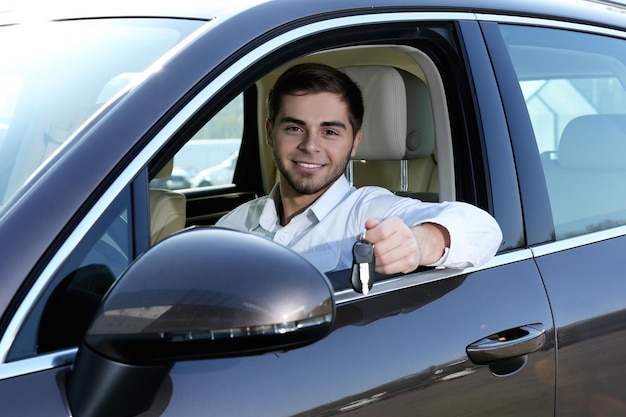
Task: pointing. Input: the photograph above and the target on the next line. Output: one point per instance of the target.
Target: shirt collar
(268, 219)
(327, 201)
(320, 208)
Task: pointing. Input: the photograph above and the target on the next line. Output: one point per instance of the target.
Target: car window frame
(538, 223)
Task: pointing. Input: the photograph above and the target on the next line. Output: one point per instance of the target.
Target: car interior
(168, 209)
(406, 144)
(583, 162)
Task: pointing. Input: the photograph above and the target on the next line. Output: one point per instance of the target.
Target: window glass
(574, 85)
(85, 63)
(61, 316)
(210, 156)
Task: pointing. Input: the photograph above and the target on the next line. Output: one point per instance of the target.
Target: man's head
(317, 78)
(313, 128)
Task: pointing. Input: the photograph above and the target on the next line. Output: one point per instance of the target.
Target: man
(314, 128)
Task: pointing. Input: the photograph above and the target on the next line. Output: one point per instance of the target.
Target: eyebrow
(332, 123)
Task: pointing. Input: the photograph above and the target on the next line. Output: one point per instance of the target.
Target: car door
(576, 110)
(435, 342)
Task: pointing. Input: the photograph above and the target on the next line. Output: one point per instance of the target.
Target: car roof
(18, 10)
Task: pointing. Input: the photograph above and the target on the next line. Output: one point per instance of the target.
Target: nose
(310, 142)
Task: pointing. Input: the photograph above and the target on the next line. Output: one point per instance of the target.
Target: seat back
(168, 209)
(398, 144)
(586, 178)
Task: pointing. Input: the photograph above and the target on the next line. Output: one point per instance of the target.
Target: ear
(356, 142)
(268, 133)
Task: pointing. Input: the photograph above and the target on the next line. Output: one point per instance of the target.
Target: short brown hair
(317, 78)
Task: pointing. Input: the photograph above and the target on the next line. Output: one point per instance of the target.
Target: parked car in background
(120, 298)
(178, 180)
(220, 174)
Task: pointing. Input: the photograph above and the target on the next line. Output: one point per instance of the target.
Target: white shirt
(326, 231)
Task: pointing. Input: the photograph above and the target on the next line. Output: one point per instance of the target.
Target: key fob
(362, 254)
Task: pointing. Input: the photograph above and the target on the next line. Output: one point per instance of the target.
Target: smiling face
(312, 141)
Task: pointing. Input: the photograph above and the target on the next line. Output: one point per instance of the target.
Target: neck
(292, 203)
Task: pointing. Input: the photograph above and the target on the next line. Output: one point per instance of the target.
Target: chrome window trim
(37, 363)
(411, 280)
(551, 23)
(578, 241)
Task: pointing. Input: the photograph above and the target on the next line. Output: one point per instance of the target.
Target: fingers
(395, 246)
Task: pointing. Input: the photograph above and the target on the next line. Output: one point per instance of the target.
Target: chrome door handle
(510, 343)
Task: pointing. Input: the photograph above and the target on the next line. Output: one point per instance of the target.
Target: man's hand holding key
(400, 248)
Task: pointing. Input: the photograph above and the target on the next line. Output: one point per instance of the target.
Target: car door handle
(510, 343)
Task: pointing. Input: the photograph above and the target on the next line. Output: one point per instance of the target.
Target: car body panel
(50, 399)
(407, 367)
(589, 312)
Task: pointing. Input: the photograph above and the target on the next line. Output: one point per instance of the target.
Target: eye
(293, 128)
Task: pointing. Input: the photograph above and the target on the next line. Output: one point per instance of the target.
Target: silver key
(362, 265)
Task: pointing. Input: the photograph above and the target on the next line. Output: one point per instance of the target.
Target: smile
(308, 165)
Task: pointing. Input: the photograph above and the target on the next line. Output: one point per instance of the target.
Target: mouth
(308, 165)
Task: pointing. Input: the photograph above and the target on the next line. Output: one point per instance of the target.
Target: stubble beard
(306, 184)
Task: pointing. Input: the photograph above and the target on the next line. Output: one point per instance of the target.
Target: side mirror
(202, 293)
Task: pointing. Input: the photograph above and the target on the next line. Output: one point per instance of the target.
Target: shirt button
(282, 237)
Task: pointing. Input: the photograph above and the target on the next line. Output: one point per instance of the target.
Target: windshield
(55, 75)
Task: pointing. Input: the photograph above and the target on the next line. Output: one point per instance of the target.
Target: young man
(314, 128)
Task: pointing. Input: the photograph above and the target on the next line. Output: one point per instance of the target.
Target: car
(120, 299)
(178, 180)
(219, 174)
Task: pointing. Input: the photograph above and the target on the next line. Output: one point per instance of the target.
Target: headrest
(166, 171)
(596, 141)
(398, 120)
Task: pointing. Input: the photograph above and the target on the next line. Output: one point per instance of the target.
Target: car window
(574, 85)
(210, 156)
(41, 106)
(61, 316)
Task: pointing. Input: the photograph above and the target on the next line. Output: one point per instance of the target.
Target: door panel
(393, 354)
(587, 291)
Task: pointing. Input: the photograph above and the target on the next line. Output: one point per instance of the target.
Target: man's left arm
(459, 236)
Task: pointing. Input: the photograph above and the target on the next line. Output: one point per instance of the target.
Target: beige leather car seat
(586, 177)
(398, 146)
(168, 209)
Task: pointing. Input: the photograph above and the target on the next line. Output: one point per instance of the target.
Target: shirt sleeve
(475, 236)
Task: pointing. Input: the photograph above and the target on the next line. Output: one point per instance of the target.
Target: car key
(363, 265)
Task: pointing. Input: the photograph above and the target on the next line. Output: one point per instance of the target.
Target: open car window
(209, 158)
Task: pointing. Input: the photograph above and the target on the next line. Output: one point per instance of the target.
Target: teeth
(304, 165)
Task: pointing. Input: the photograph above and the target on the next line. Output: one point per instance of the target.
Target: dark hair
(317, 78)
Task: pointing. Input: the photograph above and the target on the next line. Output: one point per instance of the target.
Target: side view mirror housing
(202, 293)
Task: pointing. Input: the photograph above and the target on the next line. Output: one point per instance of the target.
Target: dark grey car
(117, 299)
